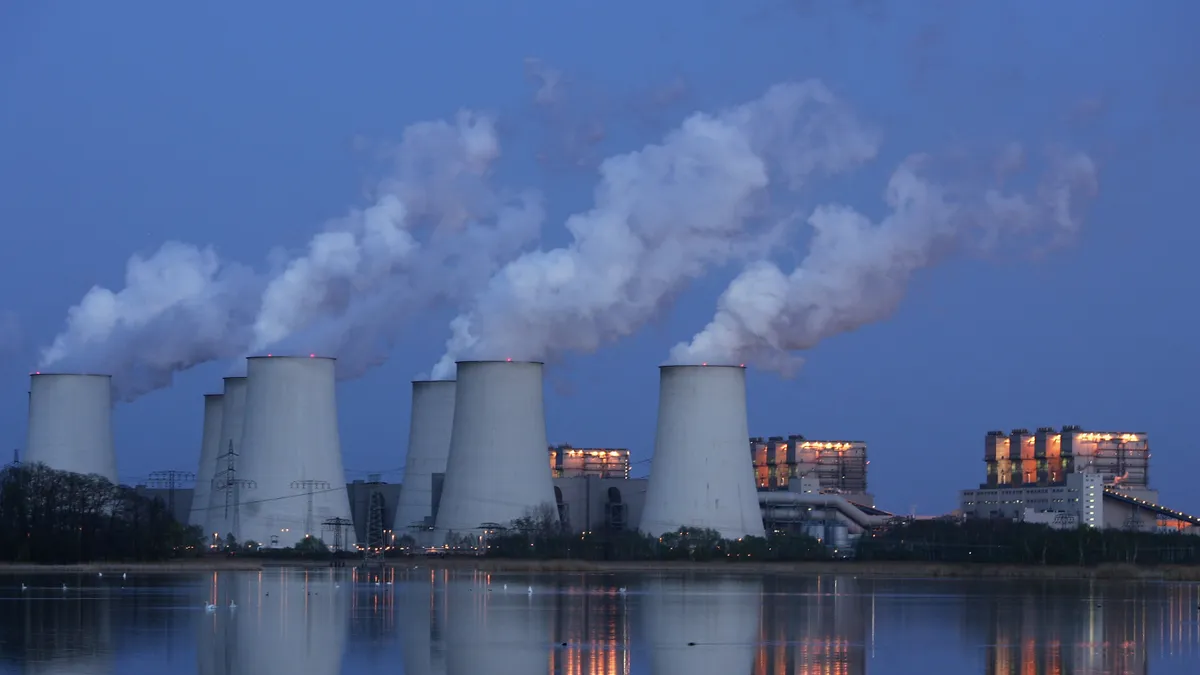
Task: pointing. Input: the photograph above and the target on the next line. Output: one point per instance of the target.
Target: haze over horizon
(958, 219)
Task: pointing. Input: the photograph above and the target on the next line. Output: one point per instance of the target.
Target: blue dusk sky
(248, 126)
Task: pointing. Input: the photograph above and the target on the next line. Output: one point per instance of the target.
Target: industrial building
(571, 462)
(1070, 477)
(699, 475)
(840, 467)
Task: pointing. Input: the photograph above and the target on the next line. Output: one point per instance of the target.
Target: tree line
(1010, 542)
(945, 540)
(58, 517)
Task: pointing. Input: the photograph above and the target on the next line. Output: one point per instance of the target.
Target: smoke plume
(662, 216)
(856, 271)
(346, 295)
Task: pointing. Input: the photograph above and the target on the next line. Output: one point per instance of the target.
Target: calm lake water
(426, 622)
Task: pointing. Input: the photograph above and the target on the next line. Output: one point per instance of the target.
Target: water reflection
(281, 622)
(701, 625)
(814, 626)
(67, 632)
(438, 622)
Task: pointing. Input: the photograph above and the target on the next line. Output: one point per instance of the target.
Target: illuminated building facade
(1069, 476)
(1047, 456)
(571, 462)
(839, 466)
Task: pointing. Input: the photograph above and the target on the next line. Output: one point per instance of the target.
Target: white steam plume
(346, 296)
(663, 215)
(348, 293)
(856, 272)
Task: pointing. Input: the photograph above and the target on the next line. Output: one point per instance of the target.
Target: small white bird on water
(100, 574)
(621, 590)
(24, 587)
(529, 590)
(210, 607)
(64, 588)
(232, 604)
(122, 575)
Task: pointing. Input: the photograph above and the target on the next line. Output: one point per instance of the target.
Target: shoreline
(855, 568)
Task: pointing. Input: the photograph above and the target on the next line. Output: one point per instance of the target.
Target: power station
(270, 466)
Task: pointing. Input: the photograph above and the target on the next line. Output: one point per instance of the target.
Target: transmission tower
(309, 486)
(375, 544)
(338, 525)
(228, 482)
(170, 480)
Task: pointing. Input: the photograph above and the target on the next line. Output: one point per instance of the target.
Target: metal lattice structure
(309, 486)
(339, 527)
(374, 549)
(228, 482)
(170, 480)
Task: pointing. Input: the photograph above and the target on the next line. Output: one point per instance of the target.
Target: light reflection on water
(419, 621)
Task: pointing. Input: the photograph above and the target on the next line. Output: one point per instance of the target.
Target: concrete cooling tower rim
(305, 357)
(536, 363)
(43, 373)
(702, 365)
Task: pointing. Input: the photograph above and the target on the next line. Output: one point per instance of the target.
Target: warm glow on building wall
(571, 462)
(838, 465)
(1049, 455)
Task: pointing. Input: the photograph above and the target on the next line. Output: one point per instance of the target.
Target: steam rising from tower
(291, 452)
(349, 293)
(701, 474)
(856, 271)
(429, 434)
(662, 216)
(210, 449)
(70, 424)
(497, 469)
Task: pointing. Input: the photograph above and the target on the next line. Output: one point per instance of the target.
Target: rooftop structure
(1048, 456)
(570, 462)
(839, 466)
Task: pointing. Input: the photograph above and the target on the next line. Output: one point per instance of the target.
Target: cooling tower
(219, 519)
(291, 455)
(701, 625)
(497, 469)
(210, 444)
(428, 446)
(504, 632)
(289, 622)
(70, 424)
(701, 474)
